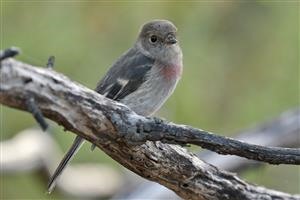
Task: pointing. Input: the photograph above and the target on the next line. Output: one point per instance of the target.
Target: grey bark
(283, 130)
(110, 125)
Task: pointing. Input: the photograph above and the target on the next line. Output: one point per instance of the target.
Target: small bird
(142, 78)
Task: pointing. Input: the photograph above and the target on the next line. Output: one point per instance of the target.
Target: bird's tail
(66, 159)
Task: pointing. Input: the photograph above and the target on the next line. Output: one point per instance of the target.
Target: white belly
(151, 95)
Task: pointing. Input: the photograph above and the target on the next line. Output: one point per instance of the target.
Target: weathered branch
(223, 145)
(282, 130)
(102, 121)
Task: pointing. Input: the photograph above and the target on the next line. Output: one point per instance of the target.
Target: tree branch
(280, 131)
(103, 121)
(283, 130)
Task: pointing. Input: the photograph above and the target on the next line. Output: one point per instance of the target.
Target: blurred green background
(240, 66)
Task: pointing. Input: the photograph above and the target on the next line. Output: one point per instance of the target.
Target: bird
(142, 78)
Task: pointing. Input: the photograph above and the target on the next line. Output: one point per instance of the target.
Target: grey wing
(126, 75)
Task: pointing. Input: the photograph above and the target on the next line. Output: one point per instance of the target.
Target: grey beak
(171, 39)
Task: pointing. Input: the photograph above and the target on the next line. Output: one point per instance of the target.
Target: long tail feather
(66, 159)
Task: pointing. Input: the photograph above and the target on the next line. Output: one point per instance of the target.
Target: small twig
(36, 112)
(8, 53)
(50, 62)
(31, 105)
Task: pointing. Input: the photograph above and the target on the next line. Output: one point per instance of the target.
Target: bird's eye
(153, 38)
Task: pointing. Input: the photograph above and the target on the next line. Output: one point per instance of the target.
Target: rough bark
(102, 122)
(282, 130)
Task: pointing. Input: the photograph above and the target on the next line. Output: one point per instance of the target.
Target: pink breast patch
(172, 71)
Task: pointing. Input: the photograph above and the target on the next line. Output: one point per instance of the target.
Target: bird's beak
(171, 39)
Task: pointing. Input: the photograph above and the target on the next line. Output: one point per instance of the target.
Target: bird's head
(158, 40)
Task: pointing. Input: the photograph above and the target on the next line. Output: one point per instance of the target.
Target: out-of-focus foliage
(240, 66)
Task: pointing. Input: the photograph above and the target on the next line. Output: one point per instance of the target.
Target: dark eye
(153, 38)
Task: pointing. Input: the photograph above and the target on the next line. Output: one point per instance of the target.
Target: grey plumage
(126, 75)
(142, 78)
